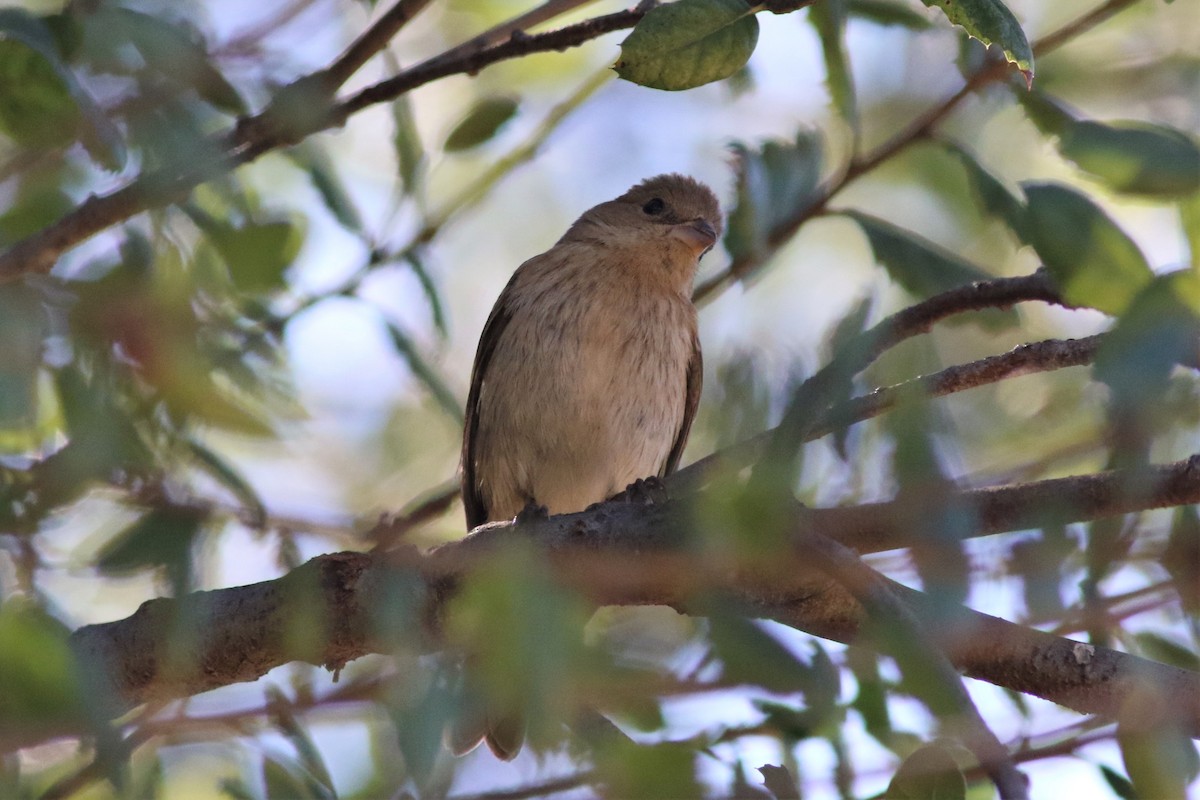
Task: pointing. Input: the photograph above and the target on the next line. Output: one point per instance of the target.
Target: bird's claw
(532, 512)
(643, 492)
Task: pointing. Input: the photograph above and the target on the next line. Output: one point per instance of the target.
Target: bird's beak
(699, 235)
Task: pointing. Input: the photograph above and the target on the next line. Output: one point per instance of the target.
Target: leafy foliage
(247, 362)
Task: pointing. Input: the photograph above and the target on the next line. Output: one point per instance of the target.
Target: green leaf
(829, 18)
(169, 49)
(161, 537)
(1181, 558)
(774, 185)
(23, 327)
(481, 123)
(42, 104)
(1133, 157)
(1160, 648)
(994, 197)
(925, 269)
(324, 176)
(37, 205)
(225, 474)
(425, 373)
(1094, 262)
(689, 43)
(314, 773)
(750, 655)
(257, 253)
(40, 685)
(884, 12)
(436, 309)
(37, 108)
(992, 23)
(930, 773)
(648, 772)
(406, 141)
(1118, 783)
(1189, 216)
(1161, 762)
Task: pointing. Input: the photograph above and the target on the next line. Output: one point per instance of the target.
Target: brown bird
(588, 372)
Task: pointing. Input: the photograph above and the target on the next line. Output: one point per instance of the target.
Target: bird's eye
(654, 206)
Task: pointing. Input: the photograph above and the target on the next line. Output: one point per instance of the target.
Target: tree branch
(620, 553)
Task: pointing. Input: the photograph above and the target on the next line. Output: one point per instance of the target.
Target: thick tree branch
(625, 554)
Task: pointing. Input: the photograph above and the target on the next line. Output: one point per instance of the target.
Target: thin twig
(916, 131)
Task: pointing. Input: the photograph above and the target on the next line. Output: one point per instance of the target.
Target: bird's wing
(695, 378)
(477, 512)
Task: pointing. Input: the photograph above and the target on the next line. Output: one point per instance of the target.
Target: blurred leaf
(792, 724)
(1189, 215)
(1162, 649)
(1094, 262)
(937, 524)
(994, 197)
(170, 50)
(410, 153)
(313, 159)
(1118, 783)
(225, 474)
(752, 656)
(779, 782)
(524, 636)
(885, 12)
(37, 205)
(920, 266)
(844, 342)
(1129, 156)
(925, 269)
(315, 774)
(647, 772)
(992, 23)
(36, 105)
(425, 373)
(285, 781)
(419, 719)
(162, 537)
(1160, 762)
(774, 185)
(481, 123)
(1157, 330)
(42, 104)
(871, 700)
(930, 773)
(436, 309)
(689, 43)
(237, 789)
(829, 18)
(23, 326)
(1182, 557)
(1038, 562)
(40, 684)
(257, 253)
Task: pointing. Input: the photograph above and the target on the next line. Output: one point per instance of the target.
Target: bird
(588, 372)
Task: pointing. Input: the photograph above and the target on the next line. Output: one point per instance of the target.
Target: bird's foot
(643, 492)
(532, 512)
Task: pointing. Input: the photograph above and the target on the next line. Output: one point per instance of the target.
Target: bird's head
(672, 213)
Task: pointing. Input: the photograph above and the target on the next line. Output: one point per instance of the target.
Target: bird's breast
(584, 396)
